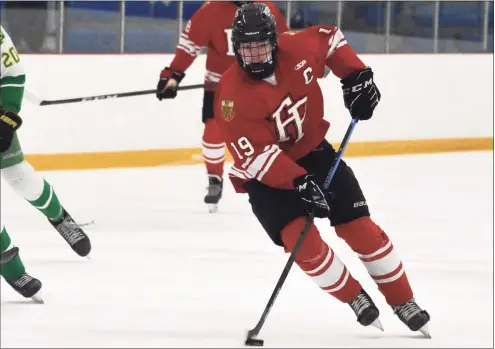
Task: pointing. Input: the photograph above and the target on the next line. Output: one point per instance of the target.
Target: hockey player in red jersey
(211, 27)
(270, 113)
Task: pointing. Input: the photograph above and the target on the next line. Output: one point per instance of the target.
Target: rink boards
(430, 103)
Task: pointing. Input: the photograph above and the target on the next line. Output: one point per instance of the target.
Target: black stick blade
(252, 341)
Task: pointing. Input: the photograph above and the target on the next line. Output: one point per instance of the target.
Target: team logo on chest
(289, 118)
(228, 109)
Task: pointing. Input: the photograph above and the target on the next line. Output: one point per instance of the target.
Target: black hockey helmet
(254, 37)
(240, 3)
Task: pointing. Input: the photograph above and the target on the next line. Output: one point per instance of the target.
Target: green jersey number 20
(10, 57)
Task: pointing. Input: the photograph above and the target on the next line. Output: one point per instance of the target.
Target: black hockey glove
(165, 88)
(361, 96)
(313, 197)
(9, 123)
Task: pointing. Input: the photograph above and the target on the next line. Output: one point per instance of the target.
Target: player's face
(256, 52)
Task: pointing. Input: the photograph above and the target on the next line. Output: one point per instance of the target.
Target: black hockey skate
(214, 195)
(366, 311)
(27, 286)
(73, 234)
(413, 317)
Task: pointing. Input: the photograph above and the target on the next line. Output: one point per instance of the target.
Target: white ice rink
(165, 273)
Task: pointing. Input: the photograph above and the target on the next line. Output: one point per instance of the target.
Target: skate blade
(88, 257)
(213, 208)
(378, 324)
(37, 298)
(424, 331)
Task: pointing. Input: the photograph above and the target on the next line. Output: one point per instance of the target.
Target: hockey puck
(254, 342)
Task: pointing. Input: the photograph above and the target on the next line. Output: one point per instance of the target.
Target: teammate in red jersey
(210, 26)
(270, 112)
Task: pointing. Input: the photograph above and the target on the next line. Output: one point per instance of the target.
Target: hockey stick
(117, 95)
(252, 339)
(9, 255)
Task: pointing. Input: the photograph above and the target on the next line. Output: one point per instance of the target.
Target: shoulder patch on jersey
(228, 109)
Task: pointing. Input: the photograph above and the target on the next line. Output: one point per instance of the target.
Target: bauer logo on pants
(228, 109)
(360, 203)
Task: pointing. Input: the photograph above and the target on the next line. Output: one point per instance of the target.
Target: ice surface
(166, 273)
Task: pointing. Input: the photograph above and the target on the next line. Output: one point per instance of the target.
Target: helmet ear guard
(254, 23)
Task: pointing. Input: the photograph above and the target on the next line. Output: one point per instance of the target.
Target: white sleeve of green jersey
(12, 76)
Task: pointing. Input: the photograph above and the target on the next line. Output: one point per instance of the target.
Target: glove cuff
(170, 74)
(358, 76)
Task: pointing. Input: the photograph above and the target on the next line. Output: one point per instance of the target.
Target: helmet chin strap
(260, 71)
(267, 60)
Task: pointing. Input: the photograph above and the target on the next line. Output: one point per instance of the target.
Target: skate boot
(413, 317)
(214, 195)
(366, 311)
(27, 286)
(73, 234)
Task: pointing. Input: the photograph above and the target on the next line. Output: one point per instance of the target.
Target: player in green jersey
(21, 176)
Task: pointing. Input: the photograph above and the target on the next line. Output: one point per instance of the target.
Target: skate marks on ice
(166, 273)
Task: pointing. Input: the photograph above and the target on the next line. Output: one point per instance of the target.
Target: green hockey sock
(15, 268)
(48, 203)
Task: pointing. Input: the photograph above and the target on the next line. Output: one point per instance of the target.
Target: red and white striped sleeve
(267, 164)
(334, 52)
(256, 165)
(192, 40)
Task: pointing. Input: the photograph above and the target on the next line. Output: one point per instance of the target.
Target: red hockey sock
(318, 260)
(376, 251)
(213, 148)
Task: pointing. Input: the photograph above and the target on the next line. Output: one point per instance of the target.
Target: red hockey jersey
(211, 27)
(269, 124)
